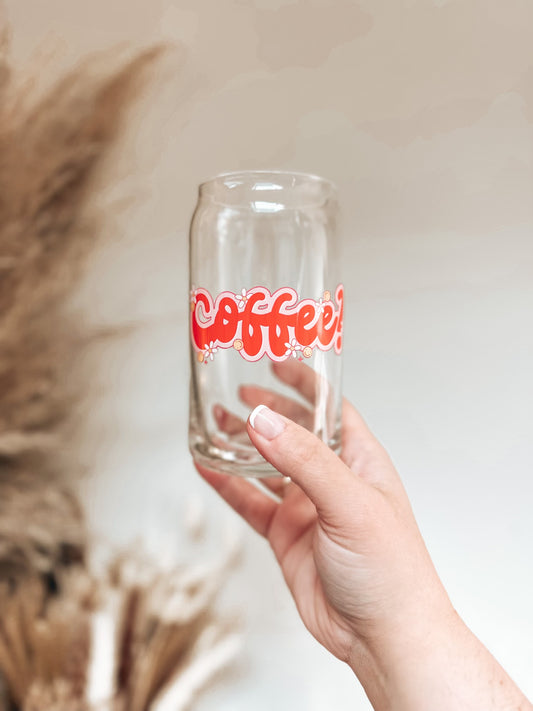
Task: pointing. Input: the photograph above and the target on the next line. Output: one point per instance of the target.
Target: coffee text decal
(256, 322)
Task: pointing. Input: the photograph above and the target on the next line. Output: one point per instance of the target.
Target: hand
(351, 553)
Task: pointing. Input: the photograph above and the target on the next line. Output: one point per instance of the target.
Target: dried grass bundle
(52, 144)
(133, 638)
(136, 640)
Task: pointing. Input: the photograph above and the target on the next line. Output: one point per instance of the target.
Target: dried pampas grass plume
(135, 640)
(52, 146)
(132, 638)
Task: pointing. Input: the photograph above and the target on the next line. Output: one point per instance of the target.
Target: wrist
(401, 659)
(438, 664)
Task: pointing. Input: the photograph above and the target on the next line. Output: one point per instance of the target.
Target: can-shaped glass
(266, 312)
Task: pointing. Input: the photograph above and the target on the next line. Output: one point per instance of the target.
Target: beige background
(422, 113)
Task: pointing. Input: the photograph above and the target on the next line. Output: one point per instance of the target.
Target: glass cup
(266, 313)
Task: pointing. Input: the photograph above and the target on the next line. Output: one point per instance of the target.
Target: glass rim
(207, 188)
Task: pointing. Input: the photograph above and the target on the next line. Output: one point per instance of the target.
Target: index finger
(302, 378)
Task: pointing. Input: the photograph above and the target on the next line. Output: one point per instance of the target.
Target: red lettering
(303, 331)
(278, 326)
(339, 296)
(258, 322)
(327, 325)
(252, 334)
(226, 320)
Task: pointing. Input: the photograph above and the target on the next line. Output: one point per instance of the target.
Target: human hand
(353, 558)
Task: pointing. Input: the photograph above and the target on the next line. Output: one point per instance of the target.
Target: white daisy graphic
(293, 348)
(209, 351)
(242, 298)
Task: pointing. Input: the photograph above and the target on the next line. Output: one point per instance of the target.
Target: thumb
(309, 462)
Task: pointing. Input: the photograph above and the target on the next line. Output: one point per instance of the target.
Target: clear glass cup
(266, 312)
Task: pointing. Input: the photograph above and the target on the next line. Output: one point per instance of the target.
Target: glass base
(243, 462)
(236, 463)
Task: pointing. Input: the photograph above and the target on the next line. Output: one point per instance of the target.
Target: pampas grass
(52, 146)
(133, 638)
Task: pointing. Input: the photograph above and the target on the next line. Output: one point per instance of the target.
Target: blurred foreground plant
(133, 638)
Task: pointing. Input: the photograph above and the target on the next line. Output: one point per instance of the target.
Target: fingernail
(266, 422)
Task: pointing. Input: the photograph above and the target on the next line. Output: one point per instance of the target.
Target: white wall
(422, 113)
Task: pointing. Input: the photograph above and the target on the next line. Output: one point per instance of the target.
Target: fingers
(353, 424)
(314, 387)
(356, 436)
(228, 422)
(275, 486)
(360, 451)
(248, 501)
(253, 396)
(364, 454)
(310, 463)
(310, 384)
(301, 377)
